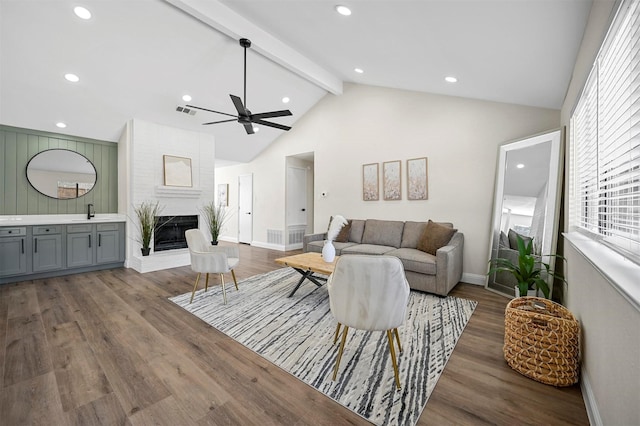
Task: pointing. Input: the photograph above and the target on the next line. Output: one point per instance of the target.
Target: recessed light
(450, 79)
(82, 12)
(72, 78)
(343, 10)
(61, 125)
(520, 166)
(186, 98)
(256, 129)
(358, 70)
(285, 100)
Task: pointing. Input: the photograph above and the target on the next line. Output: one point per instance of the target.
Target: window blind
(605, 139)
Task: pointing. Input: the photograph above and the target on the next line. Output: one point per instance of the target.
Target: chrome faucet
(90, 211)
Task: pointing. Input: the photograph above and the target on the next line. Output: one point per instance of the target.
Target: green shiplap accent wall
(18, 197)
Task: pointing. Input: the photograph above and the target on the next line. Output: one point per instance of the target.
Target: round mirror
(61, 174)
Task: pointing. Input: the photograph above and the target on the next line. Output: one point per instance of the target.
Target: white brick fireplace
(141, 178)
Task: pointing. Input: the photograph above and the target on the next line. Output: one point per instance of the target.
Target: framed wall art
(177, 171)
(391, 180)
(223, 194)
(370, 185)
(417, 179)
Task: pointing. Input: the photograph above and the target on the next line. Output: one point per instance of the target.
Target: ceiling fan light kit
(244, 116)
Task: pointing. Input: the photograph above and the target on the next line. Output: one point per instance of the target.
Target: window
(605, 140)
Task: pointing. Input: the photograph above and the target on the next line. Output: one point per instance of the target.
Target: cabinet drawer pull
(89, 240)
(36, 246)
(99, 239)
(22, 243)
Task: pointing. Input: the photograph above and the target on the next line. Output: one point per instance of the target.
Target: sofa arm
(449, 264)
(312, 237)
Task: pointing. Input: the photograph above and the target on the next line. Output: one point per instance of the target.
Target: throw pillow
(513, 240)
(343, 235)
(434, 237)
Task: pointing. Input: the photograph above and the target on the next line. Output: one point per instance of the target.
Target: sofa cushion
(357, 229)
(412, 233)
(367, 249)
(513, 239)
(415, 260)
(435, 236)
(383, 232)
(316, 246)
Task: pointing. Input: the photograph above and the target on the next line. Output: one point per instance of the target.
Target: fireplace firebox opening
(169, 231)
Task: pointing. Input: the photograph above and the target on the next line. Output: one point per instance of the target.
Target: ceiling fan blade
(270, 114)
(221, 121)
(249, 128)
(270, 124)
(210, 110)
(237, 102)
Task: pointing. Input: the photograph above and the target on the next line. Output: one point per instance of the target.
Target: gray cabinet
(47, 248)
(108, 248)
(13, 253)
(80, 249)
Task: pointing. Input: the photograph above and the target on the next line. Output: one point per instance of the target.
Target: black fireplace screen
(169, 231)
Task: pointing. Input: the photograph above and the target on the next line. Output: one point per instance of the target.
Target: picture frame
(223, 194)
(177, 171)
(417, 179)
(392, 180)
(370, 182)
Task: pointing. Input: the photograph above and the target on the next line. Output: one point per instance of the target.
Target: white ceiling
(137, 58)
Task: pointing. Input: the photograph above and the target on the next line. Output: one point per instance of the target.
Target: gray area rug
(296, 334)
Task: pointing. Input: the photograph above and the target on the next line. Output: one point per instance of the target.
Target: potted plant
(530, 272)
(146, 213)
(215, 216)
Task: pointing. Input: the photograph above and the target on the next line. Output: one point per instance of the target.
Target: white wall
(371, 124)
(611, 341)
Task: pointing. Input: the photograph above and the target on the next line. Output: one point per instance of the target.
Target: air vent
(186, 110)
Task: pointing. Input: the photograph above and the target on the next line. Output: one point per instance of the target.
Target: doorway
(298, 199)
(245, 208)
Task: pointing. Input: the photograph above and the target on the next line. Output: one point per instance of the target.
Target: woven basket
(542, 341)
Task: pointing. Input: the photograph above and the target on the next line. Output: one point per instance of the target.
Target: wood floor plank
(104, 411)
(34, 401)
(165, 366)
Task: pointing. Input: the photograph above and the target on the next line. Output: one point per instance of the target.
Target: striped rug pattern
(296, 334)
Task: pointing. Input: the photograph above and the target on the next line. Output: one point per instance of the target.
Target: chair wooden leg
(233, 274)
(206, 283)
(195, 287)
(393, 358)
(224, 292)
(395, 331)
(344, 339)
(335, 337)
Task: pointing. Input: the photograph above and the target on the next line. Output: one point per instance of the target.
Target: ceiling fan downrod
(245, 43)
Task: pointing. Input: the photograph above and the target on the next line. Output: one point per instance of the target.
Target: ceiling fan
(245, 117)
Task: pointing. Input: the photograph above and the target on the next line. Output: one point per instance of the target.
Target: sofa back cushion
(357, 229)
(383, 232)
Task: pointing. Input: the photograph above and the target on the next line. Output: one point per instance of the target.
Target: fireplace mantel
(177, 192)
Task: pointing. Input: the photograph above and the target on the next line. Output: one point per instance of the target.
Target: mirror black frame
(77, 185)
(552, 209)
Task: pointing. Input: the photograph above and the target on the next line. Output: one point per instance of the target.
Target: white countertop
(58, 219)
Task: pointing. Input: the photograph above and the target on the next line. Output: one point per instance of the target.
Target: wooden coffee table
(306, 264)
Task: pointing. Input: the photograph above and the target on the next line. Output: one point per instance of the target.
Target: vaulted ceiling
(136, 59)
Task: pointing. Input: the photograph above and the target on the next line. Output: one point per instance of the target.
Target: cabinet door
(47, 253)
(108, 250)
(80, 249)
(13, 257)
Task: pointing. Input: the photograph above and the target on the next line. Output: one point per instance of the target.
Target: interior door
(245, 208)
(296, 196)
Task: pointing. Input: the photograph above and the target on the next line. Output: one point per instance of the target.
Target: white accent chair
(209, 259)
(369, 293)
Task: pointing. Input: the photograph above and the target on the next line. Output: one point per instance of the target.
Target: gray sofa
(433, 274)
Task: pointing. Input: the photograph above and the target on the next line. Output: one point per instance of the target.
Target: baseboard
(297, 246)
(589, 399)
(279, 247)
(473, 279)
(228, 239)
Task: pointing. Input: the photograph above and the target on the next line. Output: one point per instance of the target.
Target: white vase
(328, 252)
